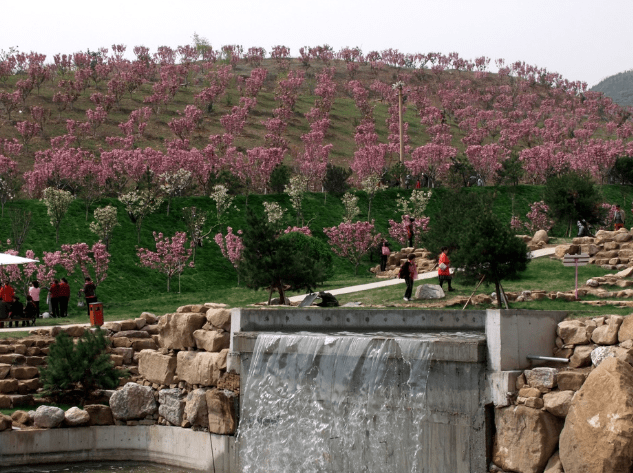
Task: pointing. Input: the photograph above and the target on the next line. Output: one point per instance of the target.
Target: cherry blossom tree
(170, 257)
(88, 261)
(352, 240)
(10, 180)
(231, 246)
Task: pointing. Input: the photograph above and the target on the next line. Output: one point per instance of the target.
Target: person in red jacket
(444, 270)
(54, 292)
(64, 296)
(6, 300)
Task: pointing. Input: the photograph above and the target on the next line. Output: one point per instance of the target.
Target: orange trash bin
(96, 314)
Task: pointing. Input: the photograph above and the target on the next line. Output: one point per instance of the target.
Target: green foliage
(335, 181)
(280, 178)
(478, 242)
(393, 175)
(315, 250)
(275, 262)
(511, 171)
(83, 366)
(573, 196)
(622, 171)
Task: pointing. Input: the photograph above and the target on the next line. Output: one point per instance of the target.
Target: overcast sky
(585, 40)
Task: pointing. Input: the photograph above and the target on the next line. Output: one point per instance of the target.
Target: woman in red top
(64, 296)
(54, 292)
(444, 270)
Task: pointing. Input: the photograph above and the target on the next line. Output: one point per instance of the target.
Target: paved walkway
(393, 282)
(335, 292)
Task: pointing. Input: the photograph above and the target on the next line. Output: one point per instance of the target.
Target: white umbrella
(6, 259)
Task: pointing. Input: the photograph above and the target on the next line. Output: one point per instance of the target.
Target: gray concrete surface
(172, 446)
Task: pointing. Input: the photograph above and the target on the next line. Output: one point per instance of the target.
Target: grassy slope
(131, 289)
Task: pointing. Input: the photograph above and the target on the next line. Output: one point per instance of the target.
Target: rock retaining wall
(576, 417)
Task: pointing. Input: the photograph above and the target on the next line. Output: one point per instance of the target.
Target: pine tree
(84, 366)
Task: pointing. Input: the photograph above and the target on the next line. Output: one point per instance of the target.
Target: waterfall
(334, 403)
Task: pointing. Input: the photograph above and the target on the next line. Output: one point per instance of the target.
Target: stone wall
(177, 366)
(575, 417)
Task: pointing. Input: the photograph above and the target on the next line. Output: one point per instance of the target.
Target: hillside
(618, 87)
(97, 117)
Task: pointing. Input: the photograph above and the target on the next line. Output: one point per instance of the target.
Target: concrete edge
(172, 446)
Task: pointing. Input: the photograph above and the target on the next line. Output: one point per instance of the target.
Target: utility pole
(398, 86)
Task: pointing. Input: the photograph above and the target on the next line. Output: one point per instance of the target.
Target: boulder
(171, 405)
(133, 401)
(221, 409)
(143, 344)
(561, 250)
(621, 237)
(598, 432)
(140, 323)
(608, 334)
(24, 372)
(5, 401)
(202, 368)
(526, 438)
(114, 326)
(196, 410)
(4, 370)
(575, 332)
(131, 334)
(74, 331)
(541, 378)
(126, 354)
(429, 291)
(598, 355)
(626, 329)
(557, 402)
(554, 465)
(581, 356)
(215, 305)
(127, 325)
(540, 235)
(99, 414)
(219, 318)
(48, 417)
(75, 416)
(6, 423)
(176, 330)
(534, 402)
(8, 386)
(22, 417)
(212, 340)
(157, 368)
(150, 318)
(570, 380)
(198, 308)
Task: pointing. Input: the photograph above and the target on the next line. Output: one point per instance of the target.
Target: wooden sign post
(576, 260)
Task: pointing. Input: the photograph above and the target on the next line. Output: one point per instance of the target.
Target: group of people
(11, 307)
(409, 270)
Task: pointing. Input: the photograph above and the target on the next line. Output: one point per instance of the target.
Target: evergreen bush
(77, 369)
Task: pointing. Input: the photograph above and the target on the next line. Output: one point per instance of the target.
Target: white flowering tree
(350, 202)
(57, 202)
(104, 224)
(173, 184)
(139, 204)
(295, 190)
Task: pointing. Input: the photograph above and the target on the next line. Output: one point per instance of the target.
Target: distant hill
(618, 87)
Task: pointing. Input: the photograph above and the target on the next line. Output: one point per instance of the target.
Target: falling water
(341, 403)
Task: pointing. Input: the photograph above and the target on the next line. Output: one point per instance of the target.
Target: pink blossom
(170, 257)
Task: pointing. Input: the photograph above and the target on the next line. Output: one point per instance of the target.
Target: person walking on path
(90, 293)
(409, 272)
(385, 251)
(444, 269)
(64, 296)
(618, 217)
(410, 231)
(34, 292)
(54, 293)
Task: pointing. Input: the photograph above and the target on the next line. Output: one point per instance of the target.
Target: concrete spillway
(377, 390)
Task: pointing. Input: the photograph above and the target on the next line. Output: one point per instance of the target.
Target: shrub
(335, 181)
(280, 178)
(79, 368)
